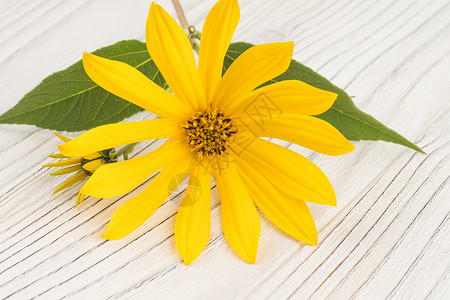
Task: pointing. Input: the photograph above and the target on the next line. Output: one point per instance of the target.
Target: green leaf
(70, 101)
(354, 124)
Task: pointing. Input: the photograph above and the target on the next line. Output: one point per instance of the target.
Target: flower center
(209, 132)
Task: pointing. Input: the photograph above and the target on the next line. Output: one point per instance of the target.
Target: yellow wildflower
(84, 167)
(214, 125)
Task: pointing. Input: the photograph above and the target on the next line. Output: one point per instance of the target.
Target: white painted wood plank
(388, 237)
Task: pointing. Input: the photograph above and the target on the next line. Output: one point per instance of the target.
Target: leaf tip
(421, 150)
(413, 146)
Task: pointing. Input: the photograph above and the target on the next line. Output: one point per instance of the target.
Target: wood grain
(389, 235)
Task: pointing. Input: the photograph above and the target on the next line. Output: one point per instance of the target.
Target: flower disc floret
(209, 132)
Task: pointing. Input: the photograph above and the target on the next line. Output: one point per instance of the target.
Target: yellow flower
(84, 167)
(213, 130)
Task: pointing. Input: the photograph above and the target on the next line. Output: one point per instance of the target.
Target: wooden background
(389, 235)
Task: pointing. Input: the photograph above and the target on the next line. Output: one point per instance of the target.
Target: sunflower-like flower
(84, 167)
(213, 130)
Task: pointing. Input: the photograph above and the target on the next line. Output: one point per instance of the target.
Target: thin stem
(123, 151)
(180, 13)
(197, 34)
(195, 46)
(191, 32)
(194, 37)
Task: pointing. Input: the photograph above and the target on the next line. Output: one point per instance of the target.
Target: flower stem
(192, 33)
(194, 37)
(183, 21)
(195, 46)
(125, 150)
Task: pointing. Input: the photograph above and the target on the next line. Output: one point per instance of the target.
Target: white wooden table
(389, 235)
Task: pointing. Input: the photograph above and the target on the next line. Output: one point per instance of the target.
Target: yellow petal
(307, 131)
(240, 219)
(130, 215)
(252, 68)
(286, 97)
(171, 50)
(57, 155)
(93, 165)
(80, 198)
(115, 179)
(71, 181)
(288, 171)
(192, 224)
(217, 32)
(93, 155)
(289, 214)
(128, 83)
(63, 138)
(67, 170)
(65, 162)
(112, 135)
